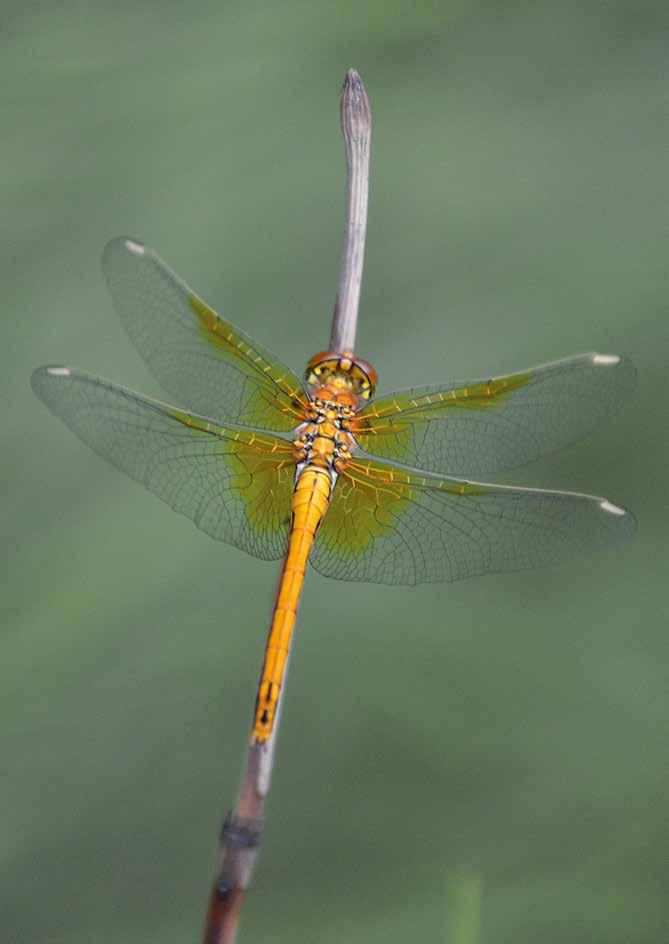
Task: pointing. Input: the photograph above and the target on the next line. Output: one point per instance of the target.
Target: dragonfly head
(340, 377)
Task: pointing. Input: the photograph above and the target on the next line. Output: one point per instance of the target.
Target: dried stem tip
(356, 117)
(356, 126)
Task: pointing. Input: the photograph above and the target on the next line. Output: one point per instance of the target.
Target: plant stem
(240, 841)
(356, 126)
(242, 829)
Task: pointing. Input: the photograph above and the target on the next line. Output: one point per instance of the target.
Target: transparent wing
(387, 524)
(234, 483)
(480, 427)
(200, 359)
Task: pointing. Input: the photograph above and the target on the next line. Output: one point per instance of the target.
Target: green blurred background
(490, 754)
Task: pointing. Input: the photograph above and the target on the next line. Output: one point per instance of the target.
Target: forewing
(235, 484)
(197, 357)
(480, 427)
(390, 525)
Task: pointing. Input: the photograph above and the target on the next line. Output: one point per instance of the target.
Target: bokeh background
(468, 764)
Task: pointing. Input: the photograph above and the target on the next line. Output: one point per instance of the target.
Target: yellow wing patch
(267, 372)
(398, 411)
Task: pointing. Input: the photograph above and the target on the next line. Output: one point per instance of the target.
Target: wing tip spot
(59, 371)
(611, 508)
(134, 247)
(606, 360)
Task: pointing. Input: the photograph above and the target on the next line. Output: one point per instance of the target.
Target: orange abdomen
(311, 498)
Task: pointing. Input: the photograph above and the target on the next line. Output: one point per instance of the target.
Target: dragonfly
(319, 469)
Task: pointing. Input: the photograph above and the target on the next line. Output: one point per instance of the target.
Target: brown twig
(240, 841)
(242, 830)
(356, 126)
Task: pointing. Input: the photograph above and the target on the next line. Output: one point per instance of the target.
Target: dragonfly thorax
(325, 440)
